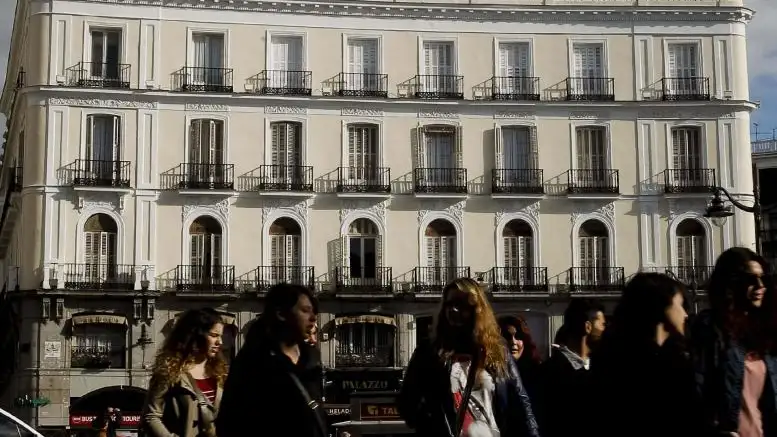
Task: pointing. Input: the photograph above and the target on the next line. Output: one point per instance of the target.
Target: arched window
(100, 240)
(363, 250)
(517, 241)
(205, 252)
(594, 254)
(440, 241)
(285, 251)
(365, 344)
(691, 244)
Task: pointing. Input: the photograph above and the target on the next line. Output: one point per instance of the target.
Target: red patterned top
(208, 388)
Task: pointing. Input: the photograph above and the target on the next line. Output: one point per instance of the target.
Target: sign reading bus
(131, 420)
(379, 411)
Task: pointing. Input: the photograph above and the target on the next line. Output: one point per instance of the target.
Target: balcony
(356, 355)
(286, 178)
(685, 88)
(361, 85)
(693, 180)
(283, 83)
(98, 75)
(98, 173)
(595, 280)
(517, 280)
(198, 278)
(17, 179)
(691, 276)
(515, 88)
(440, 180)
(195, 176)
(592, 89)
(376, 280)
(593, 181)
(99, 276)
(268, 276)
(364, 180)
(431, 280)
(433, 86)
(517, 181)
(203, 79)
(97, 357)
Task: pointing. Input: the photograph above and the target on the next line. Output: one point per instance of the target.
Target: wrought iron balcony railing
(196, 176)
(596, 279)
(692, 276)
(363, 180)
(591, 88)
(689, 180)
(17, 179)
(357, 354)
(99, 75)
(440, 180)
(97, 357)
(517, 181)
(267, 276)
(97, 173)
(515, 88)
(93, 276)
(284, 82)
(685, 88)
(517, 279)
(436, 86)
(286, 178)
(434, 279)
(361, 85)
(593, 181)
(201, 278)
(204, 79)
(364, 280)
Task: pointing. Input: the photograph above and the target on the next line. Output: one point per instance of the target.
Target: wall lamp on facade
(143, 309)
(719, 212)
(144, 282)
(144, 339)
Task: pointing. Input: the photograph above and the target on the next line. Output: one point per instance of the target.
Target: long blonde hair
(486, 336)
(186, 342)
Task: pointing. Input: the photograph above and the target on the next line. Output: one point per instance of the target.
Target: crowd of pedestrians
(646, 370)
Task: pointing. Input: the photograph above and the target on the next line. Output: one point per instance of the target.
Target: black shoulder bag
(312, 403)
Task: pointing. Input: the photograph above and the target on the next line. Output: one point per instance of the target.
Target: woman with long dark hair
(186, 381)
(524, 351)
(734, 346)
(642, 380)
(464, 383)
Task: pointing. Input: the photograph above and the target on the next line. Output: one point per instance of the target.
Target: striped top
(208, 388)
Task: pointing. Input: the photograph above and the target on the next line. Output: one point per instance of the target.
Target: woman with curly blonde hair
(464, 383)
(187, 379)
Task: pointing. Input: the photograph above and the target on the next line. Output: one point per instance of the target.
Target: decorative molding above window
(378, 209)
(508, 115)
(679, 206)
(204, 107)
(299, 207)
(532, 209)
(438, 114)
(293, 110)
(607, 211)
(96, 201)
(362, 112)
(102, 103)
(220, 208)
(455, 209)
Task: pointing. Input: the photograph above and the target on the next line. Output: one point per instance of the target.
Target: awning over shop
(383, 320)
(226, 318)
(104, 319)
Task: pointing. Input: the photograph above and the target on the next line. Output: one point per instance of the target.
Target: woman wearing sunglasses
(733, 347)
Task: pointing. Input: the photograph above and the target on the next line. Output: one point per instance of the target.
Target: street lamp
(718, 211)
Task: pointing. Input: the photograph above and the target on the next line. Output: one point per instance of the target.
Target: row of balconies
(422, 86)
(380, 281)
(377, 180)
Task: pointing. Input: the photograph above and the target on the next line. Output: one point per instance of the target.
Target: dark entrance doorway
(85, 409)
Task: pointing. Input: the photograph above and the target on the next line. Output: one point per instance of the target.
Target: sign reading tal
(379, 411)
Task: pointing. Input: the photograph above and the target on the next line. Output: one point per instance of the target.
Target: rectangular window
(591, 148)
(103, 145)
(686, 148)
(514, 69)
(206, 151)
(363, 147)
(363, 69)
(588, 70)
(287, 62)
(209, 59)
(105, 53)
(363, 253)
(439, 68)
(683, 60)
(98, 347)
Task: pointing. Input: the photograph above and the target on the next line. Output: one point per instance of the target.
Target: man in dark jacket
(564, 385)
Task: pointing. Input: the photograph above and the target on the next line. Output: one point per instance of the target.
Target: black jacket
(426, 401)
(561, 396)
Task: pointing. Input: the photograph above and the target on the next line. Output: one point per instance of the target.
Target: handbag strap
(312, 403)
(462, 412)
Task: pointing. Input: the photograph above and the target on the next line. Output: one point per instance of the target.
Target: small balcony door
(439, 68)
(515, 153)
(440, 241)
(286, 251)
(592, 156)
(594, 254)
(286, 153)
(518, 245)
(205, 252)
(440, 155)
(100, 236)
(687, 156)
(206, 151)
(287, 60)
(514, 69)
(208, 59)
(588, 69)
(103, 144)
(683, 64)
(691, 244)
(363, 158)
(363, 65)
(364, 249)
(105, 54)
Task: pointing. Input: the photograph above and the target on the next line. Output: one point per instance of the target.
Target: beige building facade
(161, 157)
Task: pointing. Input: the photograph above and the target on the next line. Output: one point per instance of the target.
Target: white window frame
(81, 238)
(708, 234)
(702, 138)
(507, 40)
(439, 38)
(364, 36)
(85, 125)
(571, 42)
(457, 225)
(499, 239)
(105, 24)
(191, 31)
(302, 221)
(607, 142)
(268, 120)
(667, 41)
(206, 116)
(187, 241)
(381, 138)
(507, 124)
(611, 237)
(285, 33)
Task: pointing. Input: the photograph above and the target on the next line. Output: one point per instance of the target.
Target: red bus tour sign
(131, 420)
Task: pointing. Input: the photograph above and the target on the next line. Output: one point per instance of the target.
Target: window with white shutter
(205, 253)
(514, 68)
(363, 152)
(683, 65)
(440, 242)
(592, 162)
(594, 253)
(105, 54)
(100, 239)
(439, 68)
(363, 68)
(691, 242)
(588, 69)
(517, 241)
(285, 251)
(286, 152)
(441, 150)
(687, 156)
(206, 151)
(287, 61)
(208, 59)
(103, 147)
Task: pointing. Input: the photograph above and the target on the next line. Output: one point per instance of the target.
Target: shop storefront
(343, 385)
(373, 414)
(87, 408)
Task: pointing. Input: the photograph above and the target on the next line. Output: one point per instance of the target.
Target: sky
(762, 59)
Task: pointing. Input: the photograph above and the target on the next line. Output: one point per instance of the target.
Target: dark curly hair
(523, 333)
(187, 341)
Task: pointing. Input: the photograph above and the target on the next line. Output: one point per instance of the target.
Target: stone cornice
(563, 11)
